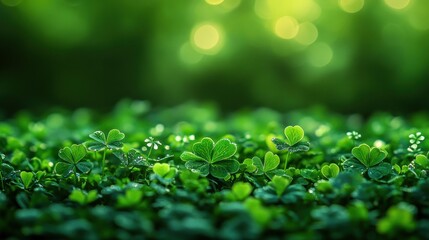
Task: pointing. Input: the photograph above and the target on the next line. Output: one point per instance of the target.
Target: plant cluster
(248, 176)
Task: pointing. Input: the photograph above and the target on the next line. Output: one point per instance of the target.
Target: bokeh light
(397, 4)
(207, 38)
(320, 55)
(188, 54)
(214, 2)
(307, 33)
(286, 27)
(351, 6)
(171, 52)
(11, 3)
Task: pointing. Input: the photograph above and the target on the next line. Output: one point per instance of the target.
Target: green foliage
(208, 157)
(235, 188)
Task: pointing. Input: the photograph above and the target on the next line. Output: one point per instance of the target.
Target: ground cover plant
(189, 173)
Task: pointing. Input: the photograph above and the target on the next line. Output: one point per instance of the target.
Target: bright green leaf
(271, 161)
(369, 156)
(188, 156)
(422, 160)
(72, 154)
(330, 171)
(27, 178)
(293, 134)
(78, 196)
(241, 190)
(279, 184)
(223, 149)
(204, 148)
(161, 169)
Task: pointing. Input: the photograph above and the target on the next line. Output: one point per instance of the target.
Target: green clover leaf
(369, 156)
(293, 134)
(212, 158)
(100, 142)
(330, 171)
(27, 178)
(72, 161)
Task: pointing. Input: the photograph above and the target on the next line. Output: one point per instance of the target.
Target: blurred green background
(348, 55)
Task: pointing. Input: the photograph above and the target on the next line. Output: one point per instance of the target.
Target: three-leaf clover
(210, 158)
(72, 161)
(369, 159)
(292, 143)
(101, 143)
(113, 140)
(269, 167)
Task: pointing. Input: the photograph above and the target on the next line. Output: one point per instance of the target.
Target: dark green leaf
(299, 147)
(218, 171)
(379, 171)
(280, 145)
(202, 167)
(354, 165)
(84, 167)
(64, 169)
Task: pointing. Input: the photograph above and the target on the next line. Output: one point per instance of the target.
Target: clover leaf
(210, 158)
(293, 144)
(422, 160)
(279, 189)
(367, 159)
(330, 171)
(269, 167)
(113, 140)
(130, 159)
(83, 197)
(369, 156)
(72, 161)
(27, 178)
(164, 170)
(101, 143)
(293, 134)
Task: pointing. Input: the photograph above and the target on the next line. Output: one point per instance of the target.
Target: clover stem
(2, 184)
(150, 151)
(103, 161)
(287, 159)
